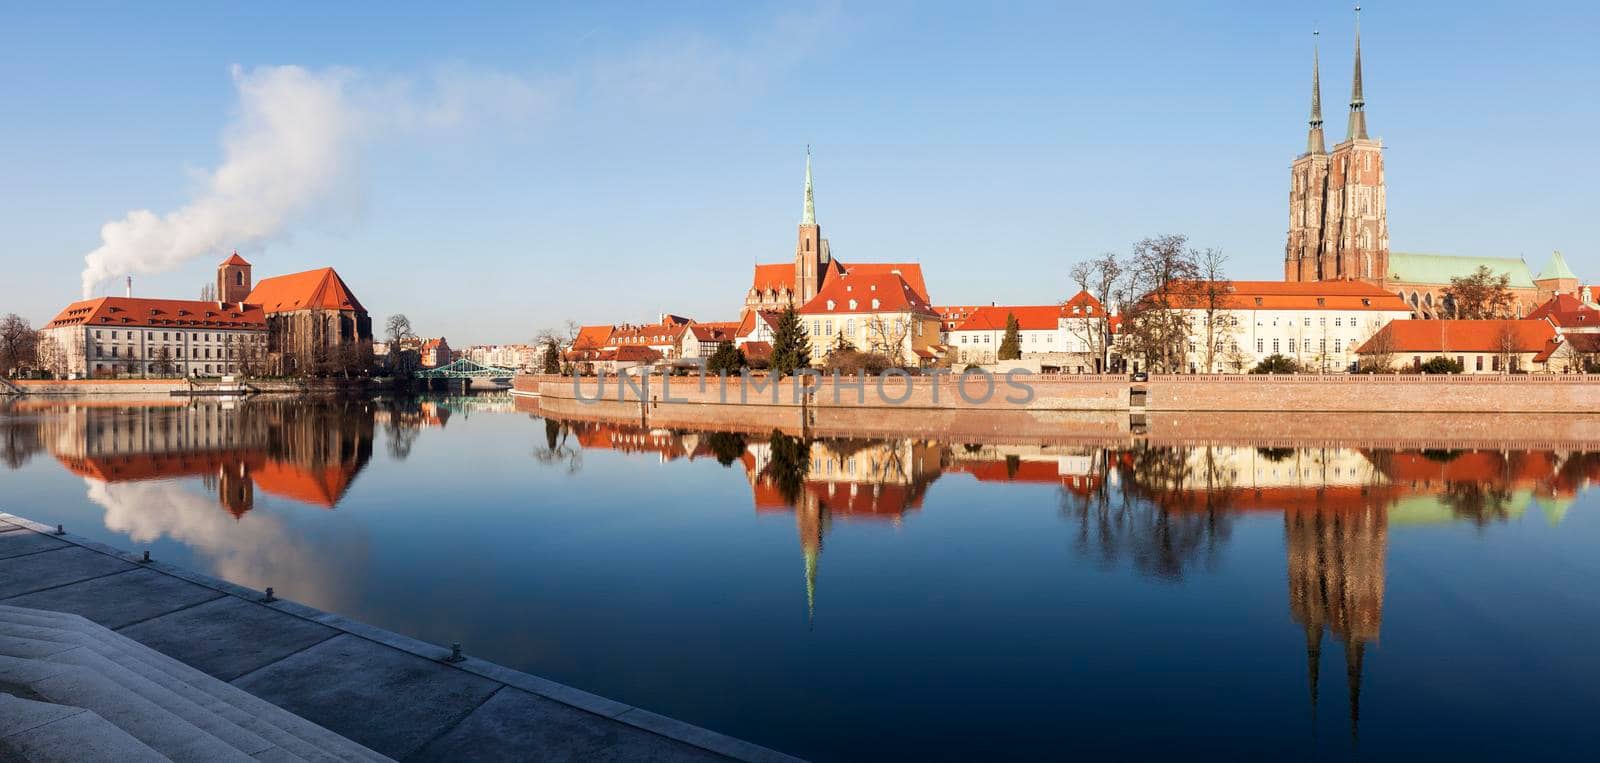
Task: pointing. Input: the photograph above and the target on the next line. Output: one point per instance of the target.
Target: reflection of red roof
(321, 289)
(319, 487)
(135, 467)
(120, 312)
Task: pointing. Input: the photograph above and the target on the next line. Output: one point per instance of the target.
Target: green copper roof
(1438, 269)
(1557, 268)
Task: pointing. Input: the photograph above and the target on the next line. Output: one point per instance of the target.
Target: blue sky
(518, 165)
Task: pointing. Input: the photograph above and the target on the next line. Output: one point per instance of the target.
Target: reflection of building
(307, 453)
(1336, 582)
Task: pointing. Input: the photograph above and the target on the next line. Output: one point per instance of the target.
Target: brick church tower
(1338, 206)
(811, 250)
(233, 279)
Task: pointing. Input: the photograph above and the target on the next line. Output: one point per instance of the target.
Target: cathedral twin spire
(808, 216)
(1357, 128)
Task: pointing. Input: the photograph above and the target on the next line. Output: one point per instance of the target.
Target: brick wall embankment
(103, 387)
(1058, 393)
(1530, 393)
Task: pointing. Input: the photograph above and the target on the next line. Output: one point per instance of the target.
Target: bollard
(146, 558)
(61, 530)
(269, 598)
(455, 652)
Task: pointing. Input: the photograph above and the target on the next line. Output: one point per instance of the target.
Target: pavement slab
(118, 600)
(17, 544)
(515, 723)
(36, 572)
(227, 637)
(391, 701)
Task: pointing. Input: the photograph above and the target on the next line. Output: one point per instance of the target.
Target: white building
(136, 337)
(1318, 324)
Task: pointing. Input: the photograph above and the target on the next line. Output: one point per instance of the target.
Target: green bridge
(466, 369)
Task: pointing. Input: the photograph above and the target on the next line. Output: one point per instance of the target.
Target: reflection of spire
(1313, 665)
(1353, 653)
(811, 555)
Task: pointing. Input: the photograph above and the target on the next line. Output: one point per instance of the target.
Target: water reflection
(1166, 511)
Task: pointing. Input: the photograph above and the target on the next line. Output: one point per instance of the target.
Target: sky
(490, 170)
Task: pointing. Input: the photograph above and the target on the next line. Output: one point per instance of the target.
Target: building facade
(1480, 346)
(875, 312)
(137, 337)
(312, 317)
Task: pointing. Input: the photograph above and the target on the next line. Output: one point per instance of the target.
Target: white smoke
(287, 149)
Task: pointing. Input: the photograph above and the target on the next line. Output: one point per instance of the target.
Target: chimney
(130, 286)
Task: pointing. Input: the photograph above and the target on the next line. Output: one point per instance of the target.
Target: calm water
(856, 599)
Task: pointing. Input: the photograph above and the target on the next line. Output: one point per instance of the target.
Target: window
(1496, 363)
(1291, 346)
(1274, 347)
(113, 335)
(986, 338)
(1338, 322)
(1322, 321)
(1308, 320)
(1338, 345)
(1259, 347)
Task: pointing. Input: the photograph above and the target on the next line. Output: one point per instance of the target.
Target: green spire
(1358, 102)
(1314, 141)
(1557, 268)
(809, 215)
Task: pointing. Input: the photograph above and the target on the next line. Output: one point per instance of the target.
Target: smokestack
(130, 286)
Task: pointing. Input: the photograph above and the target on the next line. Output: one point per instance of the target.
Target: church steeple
(1358, 103)
(1314, 141)
(809, 215)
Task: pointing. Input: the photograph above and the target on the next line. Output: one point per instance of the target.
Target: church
(1339, 222)
(779, 285)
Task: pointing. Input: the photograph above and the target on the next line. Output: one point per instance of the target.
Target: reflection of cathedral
(305, 452)
(1336, 581)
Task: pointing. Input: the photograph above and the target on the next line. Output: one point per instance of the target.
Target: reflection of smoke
(257, 551)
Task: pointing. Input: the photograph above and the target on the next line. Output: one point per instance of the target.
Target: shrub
(852, 361)
(1276, 364)
(1441, 365)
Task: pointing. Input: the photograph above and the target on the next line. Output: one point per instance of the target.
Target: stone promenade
(397, 696)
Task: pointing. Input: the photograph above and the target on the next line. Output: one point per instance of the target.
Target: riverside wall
(1199, 393)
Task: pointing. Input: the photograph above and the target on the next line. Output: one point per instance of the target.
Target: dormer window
(852, 304)
(874, 304)
(830, 304)
(1258, 301)
(1321, 301)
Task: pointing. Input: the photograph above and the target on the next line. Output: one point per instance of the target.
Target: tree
(841, 343)
(398, 328)
(161, 364)
(1215, 290)
(1276, 364)
(1481, 295)
(726, 360)
(1441, 365)
(51, 357)
(791, 348)
(19, 344)
(552, 356)
(1103, 279)
(1377, 353)
(887, 337)
(1506, 346)
(1011, 342)
(1161, 271)
(208, 292)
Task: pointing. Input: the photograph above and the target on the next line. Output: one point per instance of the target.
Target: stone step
(292, 734)
(44, 732)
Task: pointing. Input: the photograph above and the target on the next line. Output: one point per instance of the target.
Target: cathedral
(1338, 218)
(1339, 222)
(779, 285)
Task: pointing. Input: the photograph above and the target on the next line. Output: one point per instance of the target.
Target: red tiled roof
(321, 289)
(1083, 305)
(236, 260)
(1459, 336)
(1029, 318)
(1300, 295)
(592, 337)
(892, 292)
(1567, 312)
(1584, 343)
(776, 277)
(714, 332)
(119, 312)
(757, 350)
(747, 326)
(910, 271)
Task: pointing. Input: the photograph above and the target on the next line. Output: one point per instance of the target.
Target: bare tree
(1215, 295)
(1378, 355)
(1103, 279)
(1161, 276)
(52, 358)
(19, 344)
(398, 328)
(1506, 347)
(887, 337)
(161, 363)
(208, 292)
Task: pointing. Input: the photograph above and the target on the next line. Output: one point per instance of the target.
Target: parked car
(1140, 376)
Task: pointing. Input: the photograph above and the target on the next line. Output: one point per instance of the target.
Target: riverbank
(1332, 393)
(183, 387)
(398, 696)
